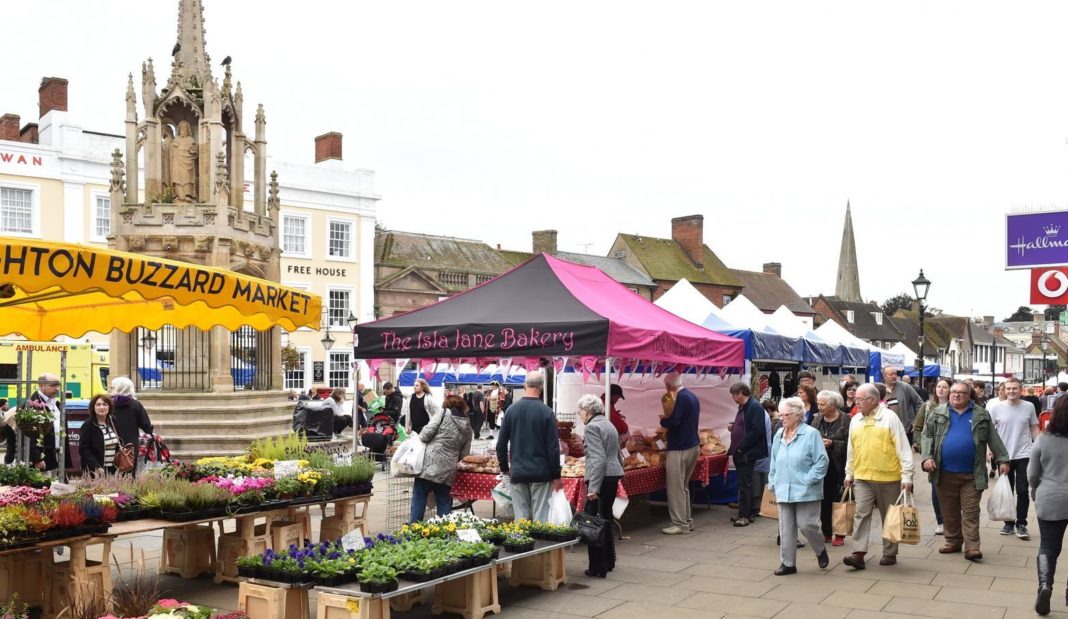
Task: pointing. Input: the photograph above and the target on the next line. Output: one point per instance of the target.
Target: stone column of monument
(192, 146)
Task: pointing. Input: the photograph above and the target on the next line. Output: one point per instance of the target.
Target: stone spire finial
(273, 204)
(148, 87)
(239, 101)
(261, 123)
(131, 99)
(227, 82)
(118, 184)
(847, 287)
(192, 65)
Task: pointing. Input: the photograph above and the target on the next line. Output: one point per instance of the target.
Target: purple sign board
(1036, 240)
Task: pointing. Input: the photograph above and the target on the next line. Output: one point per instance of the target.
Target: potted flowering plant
(518, 542)
(34, 418)
(552, 532)
(249, 567)
(378, 578)
(173, 609)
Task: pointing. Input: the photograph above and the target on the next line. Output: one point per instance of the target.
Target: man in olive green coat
(955, 441)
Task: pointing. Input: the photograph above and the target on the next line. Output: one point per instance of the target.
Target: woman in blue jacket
(798, 465)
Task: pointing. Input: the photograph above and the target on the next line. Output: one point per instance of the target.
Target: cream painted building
(54, 185)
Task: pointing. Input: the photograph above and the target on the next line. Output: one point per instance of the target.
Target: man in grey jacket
(902, 399)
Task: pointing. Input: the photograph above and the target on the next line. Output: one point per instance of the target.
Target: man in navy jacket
(749, 443)
(683, 448)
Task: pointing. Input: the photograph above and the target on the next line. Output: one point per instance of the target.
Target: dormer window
(849, 316)
(878, 318)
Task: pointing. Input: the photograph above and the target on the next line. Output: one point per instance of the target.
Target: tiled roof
(935, 334)
(864, 325)
(665, 260)
(769, 291)
(612, 267)
(404, 249)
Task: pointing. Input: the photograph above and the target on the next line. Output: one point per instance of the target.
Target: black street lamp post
(920, 285)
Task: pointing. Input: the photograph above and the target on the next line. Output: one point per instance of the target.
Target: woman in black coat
(99, 441)
(130, 417)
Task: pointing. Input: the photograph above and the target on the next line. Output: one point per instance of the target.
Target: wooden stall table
(261, 599)
(40, 581)
(473, 600)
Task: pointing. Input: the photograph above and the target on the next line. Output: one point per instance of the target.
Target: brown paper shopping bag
(768, 507)
(842, 513)
(902, 524)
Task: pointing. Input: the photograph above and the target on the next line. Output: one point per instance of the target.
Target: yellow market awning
(51, 289)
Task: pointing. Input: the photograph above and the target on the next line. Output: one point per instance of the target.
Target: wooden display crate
(303, 516)
(188, 551)
(265, 602)
(63, 582)
(285, 533)
(233, 546)
(472, 597)
(546, 570)
(332, 606)
(24, 573)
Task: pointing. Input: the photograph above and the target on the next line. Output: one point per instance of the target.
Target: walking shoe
(823, 560)
(800, 544)
(949, 549)
(839, 540)
(741, 522)
(674, 530)
(940, 530)
(1021, 532)
(888, 560)
(691, 526)
(785, 570)
(855, 560)
(826, 538)
(1008, 529)
(973, 555)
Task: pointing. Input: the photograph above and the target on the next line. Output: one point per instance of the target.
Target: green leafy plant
(288, 487)
(172, 501)
(293, 446)
(13, 610)
(377, 573)
(360, 471)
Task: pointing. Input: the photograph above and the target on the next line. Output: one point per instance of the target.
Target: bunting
(505, 367)
(589, 366)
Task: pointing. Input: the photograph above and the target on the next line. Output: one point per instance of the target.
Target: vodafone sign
(1049, 286)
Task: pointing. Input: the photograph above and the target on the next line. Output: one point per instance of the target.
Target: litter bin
(77, 414)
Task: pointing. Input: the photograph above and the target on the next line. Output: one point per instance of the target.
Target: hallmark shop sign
(1036, 239)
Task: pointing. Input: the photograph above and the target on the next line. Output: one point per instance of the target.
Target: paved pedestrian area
(723, 572)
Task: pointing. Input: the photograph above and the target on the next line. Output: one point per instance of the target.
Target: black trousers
(603, 559)
(1018, 479)
(832, 493)
(341, 422)
(746, 472)
(476, 422)
(1052, 534)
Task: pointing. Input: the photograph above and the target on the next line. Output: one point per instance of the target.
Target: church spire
(847, 288)
(192, 65)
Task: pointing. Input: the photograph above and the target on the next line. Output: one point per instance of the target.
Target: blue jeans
(442, 498)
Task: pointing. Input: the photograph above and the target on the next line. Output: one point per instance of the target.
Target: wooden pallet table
(261, 600)
(188, 551)
(472, 598)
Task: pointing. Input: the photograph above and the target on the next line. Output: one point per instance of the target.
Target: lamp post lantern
(920, 286)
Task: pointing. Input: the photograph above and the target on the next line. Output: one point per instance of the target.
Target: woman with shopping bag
(604, 469)
(833, 427)
(448, 440)
(954, 444)
(798, 464)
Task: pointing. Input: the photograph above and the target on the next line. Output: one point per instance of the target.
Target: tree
(900, 301)
(1053, 312)
(1022, 314)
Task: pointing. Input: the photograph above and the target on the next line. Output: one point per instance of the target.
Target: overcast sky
(490, 119)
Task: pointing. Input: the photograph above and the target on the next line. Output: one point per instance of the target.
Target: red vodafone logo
(1049, 286)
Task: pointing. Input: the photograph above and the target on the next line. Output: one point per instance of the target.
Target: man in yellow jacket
(878, 468)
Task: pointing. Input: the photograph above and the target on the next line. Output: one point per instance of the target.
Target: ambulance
(87, 365)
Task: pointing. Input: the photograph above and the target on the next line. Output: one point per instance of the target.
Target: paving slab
(635, 610)
(746, 606)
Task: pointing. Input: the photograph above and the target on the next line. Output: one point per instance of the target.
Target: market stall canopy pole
(53, 289)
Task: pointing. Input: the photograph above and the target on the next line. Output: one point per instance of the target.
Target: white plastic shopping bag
(502, 498)
(620, 506)
(1001, 506)
(559, 510)
(408, 461)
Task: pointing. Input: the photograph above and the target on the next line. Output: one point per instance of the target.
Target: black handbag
(592, 529)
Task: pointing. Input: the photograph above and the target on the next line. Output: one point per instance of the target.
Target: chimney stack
(52, 95)
(327, 147)
(9, 127)
(544, 242)
(999, 332)
(773, 268)
(689, 233)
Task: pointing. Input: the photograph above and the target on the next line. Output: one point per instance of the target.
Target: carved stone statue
(168, 137)
(183, 164)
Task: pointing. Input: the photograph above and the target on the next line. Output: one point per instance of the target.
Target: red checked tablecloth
(477, 486)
